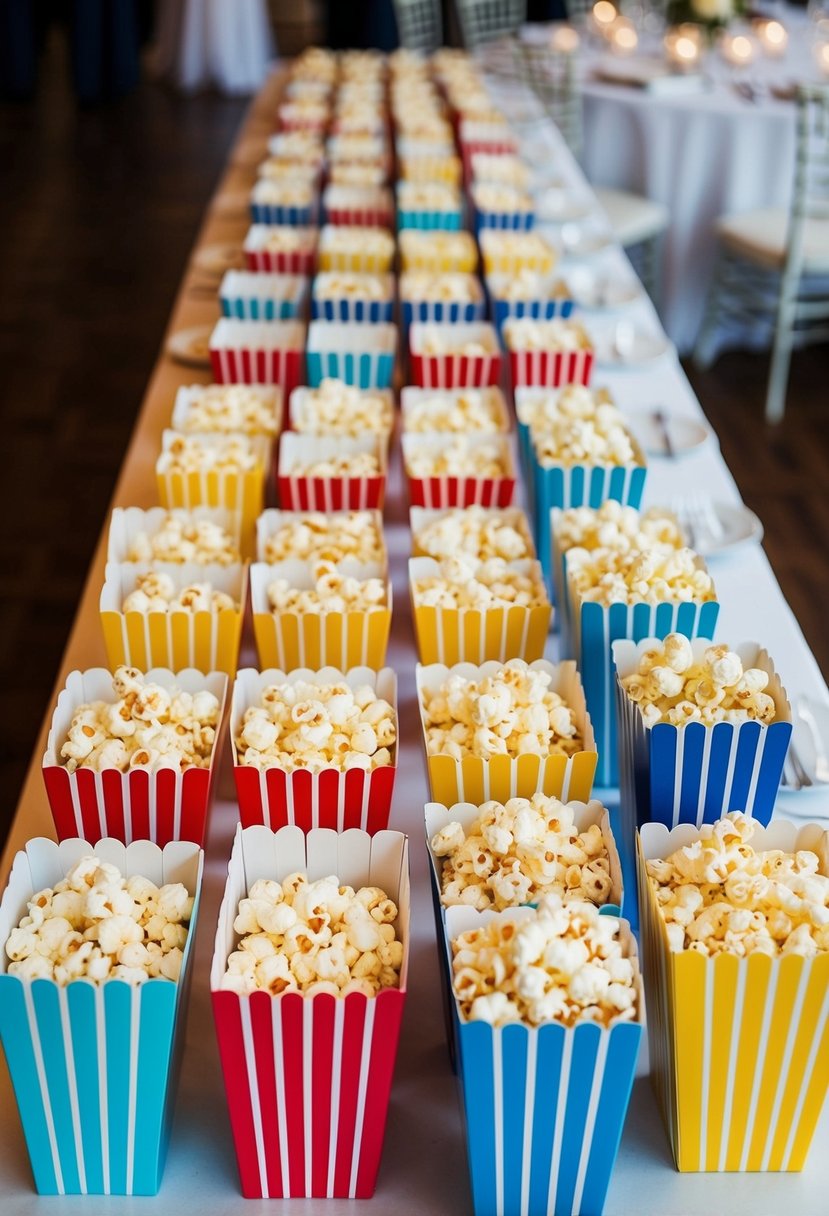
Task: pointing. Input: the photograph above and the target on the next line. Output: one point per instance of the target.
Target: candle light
(822, 56)
(737, 49)
(623, 36)
(683, 46)
(604, 14)
(564, 39)
(774, 38)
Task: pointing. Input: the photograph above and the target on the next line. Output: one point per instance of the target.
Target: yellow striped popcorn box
(438, 252)
(364, 250)
(323, 536)
(739, 1046)
(511, 253)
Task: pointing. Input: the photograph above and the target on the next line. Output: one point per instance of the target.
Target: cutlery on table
(821, 765)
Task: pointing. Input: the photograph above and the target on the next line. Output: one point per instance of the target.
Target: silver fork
(821, 760)
(700, 521)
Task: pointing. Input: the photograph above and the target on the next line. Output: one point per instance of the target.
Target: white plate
(216, 259)
(557, 206)
(191, 346)
(804, 741)
(601, 293)
(640, 347)
(739, 525)
(686, 434)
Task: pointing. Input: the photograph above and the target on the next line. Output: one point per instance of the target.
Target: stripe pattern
(443, 312)
(283, 213)
(331, 493)
(472, 635)
(328, 799)
(360, 217)
(361, 368)
(515, 221)
(430, 221)
(477, 780)
(261, 365)
(337, 639)
(347, 309)
(455, 371)
(297, 261)
(539, 310)
(445, 491)
(550, 369)
(208, 641)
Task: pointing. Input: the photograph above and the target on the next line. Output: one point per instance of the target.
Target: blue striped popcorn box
(266, 208)
(187, 400)
(551, 298)
(361, 355)
(695, 773)
(131, 526)
(544, 1106)
(93, 1065)
(596, 627)
(513, 208)
(340, 296)
(249, 296)
(469, 308)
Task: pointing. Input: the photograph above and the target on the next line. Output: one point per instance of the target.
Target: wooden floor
(97, 214)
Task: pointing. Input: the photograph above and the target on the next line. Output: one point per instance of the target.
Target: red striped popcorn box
(329, 798)
(281, 249)
(131, 526)
(300, 492)
(358, 206)
(550, 367)
(383, 415)
(94, 1065)
(445, 490)
(449, 366)
(308, 1079)
(142, 804)
(186, 403)
(258, 352)
(418, 407)
(208, 641)
(270, 522)
(290, 639)
(421, 518)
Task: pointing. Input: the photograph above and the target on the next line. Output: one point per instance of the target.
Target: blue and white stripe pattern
(351, 310)
(450, 312)
(282, 213)
(247, 296)
(362, 369)
(538, 310)
(514, 221)
(431, 221)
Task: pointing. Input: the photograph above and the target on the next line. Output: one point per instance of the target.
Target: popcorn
(509, 251)
(462, 411)
(314, 937)
(313, 726)
(437, 251)
(670, 685)
(96, 925)
(146, 725)
(192, 454)
(525, 333)
(613, 526)
(356, 173)
(332, 591)
(287, 239)
(499, 196)
(284, 168)
(527, 285)
(342, 285)
(182, 538)
(459, 458)
(509, 713)
(580, 426)
(424, 167)
(507, 169)
(477, 532)
(645, 576)
(287, 191)
(452, 287)
(316, 536)
(434, 340)
(467, 582)
(241, 409)
(718, 895)
(515, 852)
(339, 464)
(155, 592)
(427, 196)
(563, 963)
(299, 145)
(376, 242)
(335, 408)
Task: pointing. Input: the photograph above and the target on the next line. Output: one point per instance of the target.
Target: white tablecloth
(227, 43)
(701, 154)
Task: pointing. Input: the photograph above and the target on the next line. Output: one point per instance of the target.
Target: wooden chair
(419, 24)
(483, 21)
(776, 262)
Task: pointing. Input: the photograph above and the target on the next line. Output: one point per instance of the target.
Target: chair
(419, 24)
(485, 20)
(768, 257)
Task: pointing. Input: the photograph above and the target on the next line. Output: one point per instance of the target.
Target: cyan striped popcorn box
(361, 355)
(544, 1106)
(250, 296)
(94, 1065)
(596, 627)
(358, 305)
(694, 773)
(431, 220)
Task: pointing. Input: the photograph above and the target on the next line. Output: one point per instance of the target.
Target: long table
(424, 1166)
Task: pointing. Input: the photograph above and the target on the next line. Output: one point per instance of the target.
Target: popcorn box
(412, 398)
(358, 206)
(428, 219)
(458, 491)
(428, 251)
(258, 352)
(249, 296)
(596, 627)
(299, 416)
(328, 639)
(493, 138)
(311, 153)
(139, 804)
(694, 773)
(518, 219)
(308, 1079)
(298, 258)
(455, 370)
(550, 368)
(447, 312)
(523, 251)
(361, 355)
(553, 300)
(421, 518)
(359, 258)
(270, 522)
(476, 779)
(298, 492)
(334, 799)
(294, 117)
(347, 308)
(544, 1106)
(456, 635)
(241, 491)
(263, 211)
(736, 1044)
(127, 523)
(188, 395)
(208, 641)
(94, 1065)
(429, 166)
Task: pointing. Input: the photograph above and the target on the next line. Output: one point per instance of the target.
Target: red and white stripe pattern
(297, 261)
(441, 492)
(329, 799)
(258, 365)
(360, 217)
(455, 371)
(331, 493)
(550, 369)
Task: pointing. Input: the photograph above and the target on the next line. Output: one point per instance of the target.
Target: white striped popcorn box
(452, 368)
(296, 252)
(545, 1105)
(438, 252)
(331, 798)
(458, 490)
(325, 639)
(302, 423)
(421, 518)
(241, 491)
(265, 210)
(737, 1044)
(251, 296)
(142, 804)
(361, 355)
(258, 352)
(129, 524)
(510, 253)
(330, 302)
(479, 778)
(474, 635)
(596, 627)
(358, 206)
(299, 492)
(446, 312)
(413, 400)
(369, 250)
(308, 1079)
(695, 773)
(208, 641)
(188, 395)
(94, 1065)
(553, 299)
(271, 521)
